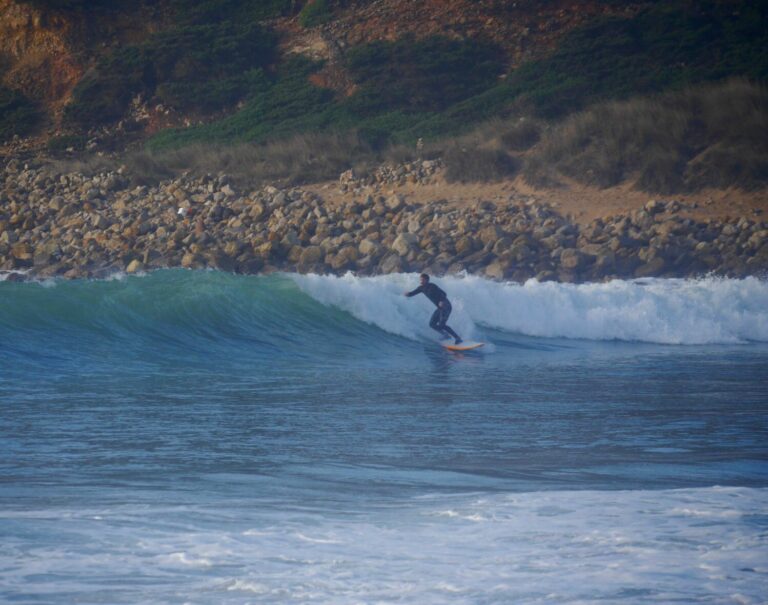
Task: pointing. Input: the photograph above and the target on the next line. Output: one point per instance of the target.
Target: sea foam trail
(666, 311)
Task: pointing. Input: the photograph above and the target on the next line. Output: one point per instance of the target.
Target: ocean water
(197, 437)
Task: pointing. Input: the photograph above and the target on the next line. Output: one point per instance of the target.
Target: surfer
(440, 299)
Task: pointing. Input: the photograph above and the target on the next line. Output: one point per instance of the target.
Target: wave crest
(666, 311)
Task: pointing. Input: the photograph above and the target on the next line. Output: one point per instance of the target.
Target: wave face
(287, 312)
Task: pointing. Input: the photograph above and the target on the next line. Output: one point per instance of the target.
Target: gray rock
(391, 264)
(572, 259)
(652, 268)
(497, 269)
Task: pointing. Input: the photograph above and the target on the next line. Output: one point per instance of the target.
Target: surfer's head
(424, 278)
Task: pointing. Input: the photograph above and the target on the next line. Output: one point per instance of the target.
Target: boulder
(344, 259)
(497, 269)
(22, 251)
(395, 202)
(404, 243)
(134, 266)
(311, 255)
(257, 211)
(189, 260)
(465, 245)
(391, 264)
(572, 259)
(655, 207)
(489, 235)
(652, 268)
(368, 247)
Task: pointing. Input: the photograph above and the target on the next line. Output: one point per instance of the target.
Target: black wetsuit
(440, 316)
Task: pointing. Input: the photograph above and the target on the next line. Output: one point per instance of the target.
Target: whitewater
(200, 437)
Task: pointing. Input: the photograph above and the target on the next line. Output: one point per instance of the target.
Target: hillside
(104, 77)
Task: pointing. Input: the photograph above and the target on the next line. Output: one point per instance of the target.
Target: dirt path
(583, 204)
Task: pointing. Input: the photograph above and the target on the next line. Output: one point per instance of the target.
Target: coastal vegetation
(713, 135)
(669, 97)
(18, 115)
(194, 68)
(667, 143)
(427, 88)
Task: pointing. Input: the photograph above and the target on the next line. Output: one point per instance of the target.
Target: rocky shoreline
(76, 226)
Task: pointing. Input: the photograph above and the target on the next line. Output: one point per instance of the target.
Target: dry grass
(475, 164)
(709, 136)
(300, 159)
(521, 134)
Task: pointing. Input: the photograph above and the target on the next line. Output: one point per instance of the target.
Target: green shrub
(80, 5)
(197, 67)
(18, 115)
(420, 75)
(62, 143)
(205, 12)
(314, 13)
(438, 87)
(289, 104)
(668, 46)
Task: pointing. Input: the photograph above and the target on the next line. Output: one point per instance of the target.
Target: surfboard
(464, 346)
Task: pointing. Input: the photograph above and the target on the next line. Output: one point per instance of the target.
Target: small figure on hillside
(419, 147)
(440, 300)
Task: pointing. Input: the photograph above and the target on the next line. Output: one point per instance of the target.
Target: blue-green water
(195, 437)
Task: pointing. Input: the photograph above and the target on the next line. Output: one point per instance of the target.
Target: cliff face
(38, 53)
(44, 53)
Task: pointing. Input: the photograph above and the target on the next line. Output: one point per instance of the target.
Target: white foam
(379, 301)
(5, 275)
(667, 311)
(627, 547)
(185, 559)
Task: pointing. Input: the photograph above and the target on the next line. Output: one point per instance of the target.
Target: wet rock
(653, 268)
(134, 266)
(497, 269)
(311, 256)
(391, 264)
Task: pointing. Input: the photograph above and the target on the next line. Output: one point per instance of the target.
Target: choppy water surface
(193, 437)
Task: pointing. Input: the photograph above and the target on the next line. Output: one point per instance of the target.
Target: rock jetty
(71, 225)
